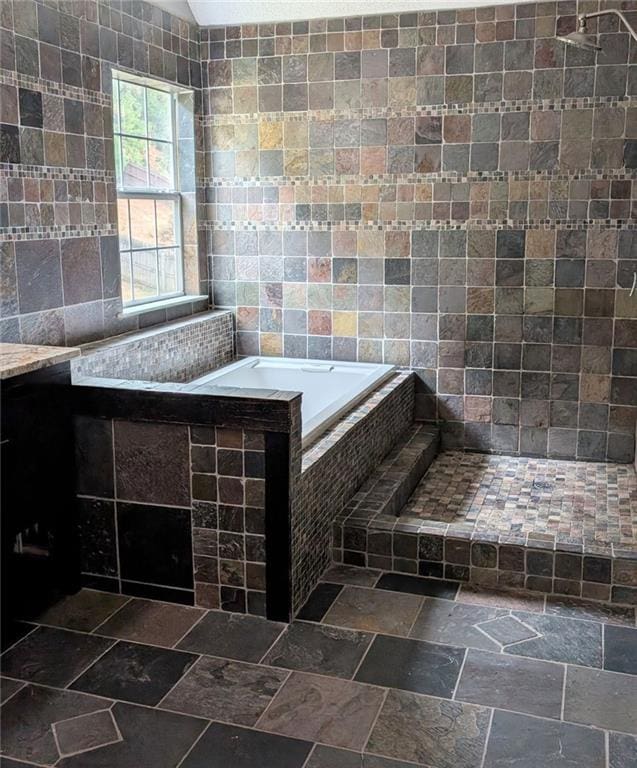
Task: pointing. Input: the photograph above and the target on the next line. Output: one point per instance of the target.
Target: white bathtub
(329, 388)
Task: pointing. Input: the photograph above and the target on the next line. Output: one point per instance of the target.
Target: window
(148, 196)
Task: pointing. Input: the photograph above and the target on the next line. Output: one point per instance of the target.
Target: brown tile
(335, 712)
(374, 611)
(146, 621)
(82, 611)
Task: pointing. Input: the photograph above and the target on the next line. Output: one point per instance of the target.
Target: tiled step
(389, 487)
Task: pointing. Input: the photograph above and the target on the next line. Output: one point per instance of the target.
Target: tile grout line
(188, 631)
(271, 702)
(364, 656)
(375, 720)
(486, 741)
(457, 685)
(194, 744)
(94, 661)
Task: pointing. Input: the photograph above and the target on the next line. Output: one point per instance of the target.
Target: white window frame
(136, 193)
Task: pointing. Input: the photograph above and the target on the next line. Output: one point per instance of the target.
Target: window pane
(159, 114)
(127, 281)
(132, 108)
(161, 165)
(166, 222)
(122, 224)
(144, 274)
(118, 159)
(135, 163)
(142, 217)
(169, 279)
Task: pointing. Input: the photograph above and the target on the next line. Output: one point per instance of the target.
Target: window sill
(141, 309)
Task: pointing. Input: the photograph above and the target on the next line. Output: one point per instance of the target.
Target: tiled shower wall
(60, 274)
(451, 191)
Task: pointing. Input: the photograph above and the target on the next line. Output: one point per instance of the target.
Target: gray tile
(584, 609)
(435, 732)
(86, 732)
(517, 741)
(444, 621)
(620, 649)
(149, 737)
(374, 610)
(232, 635)
(133, 672)
(561, 639)
(604, 699)
(8, 688)
(229, 691)
(319, 648)
(27, 718)
(52, 656)
(622, 751)
(507, 629)
(331, 757)
(412, 665)
(225, 746)
(521, 685)
(339, 713)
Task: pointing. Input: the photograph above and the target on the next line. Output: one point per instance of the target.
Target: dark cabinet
(40, 555)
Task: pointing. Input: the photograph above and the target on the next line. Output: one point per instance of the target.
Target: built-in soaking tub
(329, 389)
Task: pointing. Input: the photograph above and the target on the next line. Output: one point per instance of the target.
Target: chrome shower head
(581, 38)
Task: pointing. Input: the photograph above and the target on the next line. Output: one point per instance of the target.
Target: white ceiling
(213, 12)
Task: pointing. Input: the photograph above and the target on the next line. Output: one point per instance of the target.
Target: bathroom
(319, 383)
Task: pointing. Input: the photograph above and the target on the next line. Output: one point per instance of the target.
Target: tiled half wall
(451, 191)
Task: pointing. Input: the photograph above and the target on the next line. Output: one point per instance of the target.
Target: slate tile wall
(59, 268)
(452, 192)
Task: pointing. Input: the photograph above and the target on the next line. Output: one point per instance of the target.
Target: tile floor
(516, 495)
(379, 671)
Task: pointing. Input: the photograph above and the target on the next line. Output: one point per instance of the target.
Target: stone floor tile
(84, 611)
(319, 648)
(561, 639)
(150, 737)
(585, 609)
(227, 746)
(319, 602)
(529, 742)
(154, 623)
(514, 601)
(142, 674)
(52, 656)
(510, 682)
(453, 623)
(605, 699)
(374, 610)
(6, 762)
(350, 574)
(86, 732)
(13, 632)
(412, 665)
(620, 649)
(507, 629)
(224, 690)
(232, 635)
(336, 712)
(8, 688)
(622, 751)
(27, 719)
(418, 585)
(434, 732)
(332, 757)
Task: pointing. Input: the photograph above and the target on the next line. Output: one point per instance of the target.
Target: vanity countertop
(16, 359)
